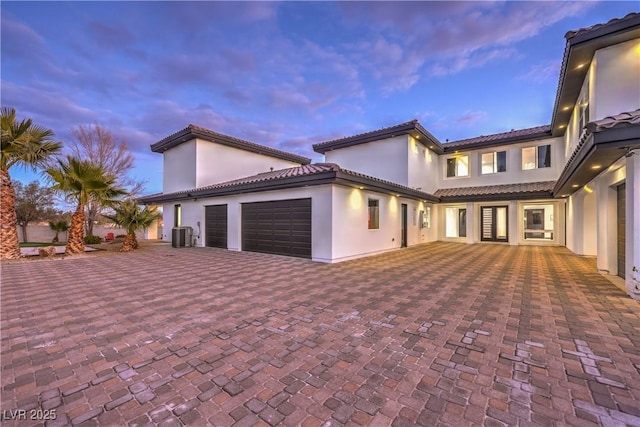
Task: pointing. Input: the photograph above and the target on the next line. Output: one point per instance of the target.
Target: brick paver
(442, 333)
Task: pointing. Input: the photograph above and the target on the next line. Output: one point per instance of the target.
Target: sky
(284, 74)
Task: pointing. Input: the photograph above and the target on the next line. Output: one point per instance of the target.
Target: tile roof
(506, 191)
(300, 175)
(581, 31)
(579, 49)
(631, 118)
(193, 131)
(501, 138)
(621, 120)
(412, 127)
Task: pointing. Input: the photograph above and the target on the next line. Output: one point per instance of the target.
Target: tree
(33, 203)
(25, 144)
(97, 144)
(58, 226)
(82, 182)
(129, 216)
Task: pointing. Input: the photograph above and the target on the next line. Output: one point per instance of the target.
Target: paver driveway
(443, 333)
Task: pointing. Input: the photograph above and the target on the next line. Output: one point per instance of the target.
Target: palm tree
(58, 226)
(82, 181)
(129, 216)
(25, 144)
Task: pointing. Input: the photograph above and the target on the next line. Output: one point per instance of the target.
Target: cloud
(464, 61)
(470, 117)
(446, 37)
(110, 36)
(540, 73)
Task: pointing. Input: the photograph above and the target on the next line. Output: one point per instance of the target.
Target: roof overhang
(413, 128)
(578, 54)
(503, 197)
(329, 177)
(453, 147)
(196, 132)
(597, 152)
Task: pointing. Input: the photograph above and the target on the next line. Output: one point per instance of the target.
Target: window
(374, 214)
(538, 222)
(494, 162)
(425, 218)
(458, 166)
(455, 222)
(583, 109)
(536, 157)
(177, 215)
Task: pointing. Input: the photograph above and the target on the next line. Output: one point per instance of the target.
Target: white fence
(42, 233)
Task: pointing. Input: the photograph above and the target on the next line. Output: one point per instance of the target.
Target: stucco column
(471, 224)
(513, 223)
(632, 231)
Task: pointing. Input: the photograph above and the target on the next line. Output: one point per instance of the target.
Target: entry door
(535, 221)
(622, 198)
(403, 229)
(215, 226)
(494, 224)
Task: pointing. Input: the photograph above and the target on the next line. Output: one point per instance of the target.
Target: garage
(216, 226)
(281, 227)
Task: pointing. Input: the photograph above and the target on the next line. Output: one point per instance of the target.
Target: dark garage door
(216, 226)
(280, 227)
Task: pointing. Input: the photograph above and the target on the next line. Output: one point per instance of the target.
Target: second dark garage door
(280, 227)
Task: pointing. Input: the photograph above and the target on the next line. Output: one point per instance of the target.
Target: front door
(403, 228)
(494, 224)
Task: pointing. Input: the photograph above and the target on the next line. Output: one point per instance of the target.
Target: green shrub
(92, 240)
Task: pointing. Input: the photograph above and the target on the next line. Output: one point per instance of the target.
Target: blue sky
(288, 74)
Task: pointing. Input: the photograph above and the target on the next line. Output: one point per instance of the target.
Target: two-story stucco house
(573, 183)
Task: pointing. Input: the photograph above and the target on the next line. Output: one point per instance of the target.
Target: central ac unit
(181, 237)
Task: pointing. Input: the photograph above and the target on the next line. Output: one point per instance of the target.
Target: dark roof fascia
(529, 195)
(580, 48)
(488, 144)
(280, 184)
(193, 132)
(387, 187)
(626, 137)
(412, 128)
(329, 177)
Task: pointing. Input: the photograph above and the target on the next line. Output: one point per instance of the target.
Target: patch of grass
(39, 244)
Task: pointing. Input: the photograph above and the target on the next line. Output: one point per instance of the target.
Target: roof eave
(599, 151)
(529, 195)
(496, 143)
(413, 129)
(580, 50)
(193, 132)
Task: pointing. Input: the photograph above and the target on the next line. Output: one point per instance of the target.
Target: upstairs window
(583, 109)
(177, 215)
(536, 157)
(458, 166)
(374, 214)
(494, 162)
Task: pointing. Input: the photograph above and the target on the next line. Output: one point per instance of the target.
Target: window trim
(495, 163)
(536, 157)
(456, 158)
